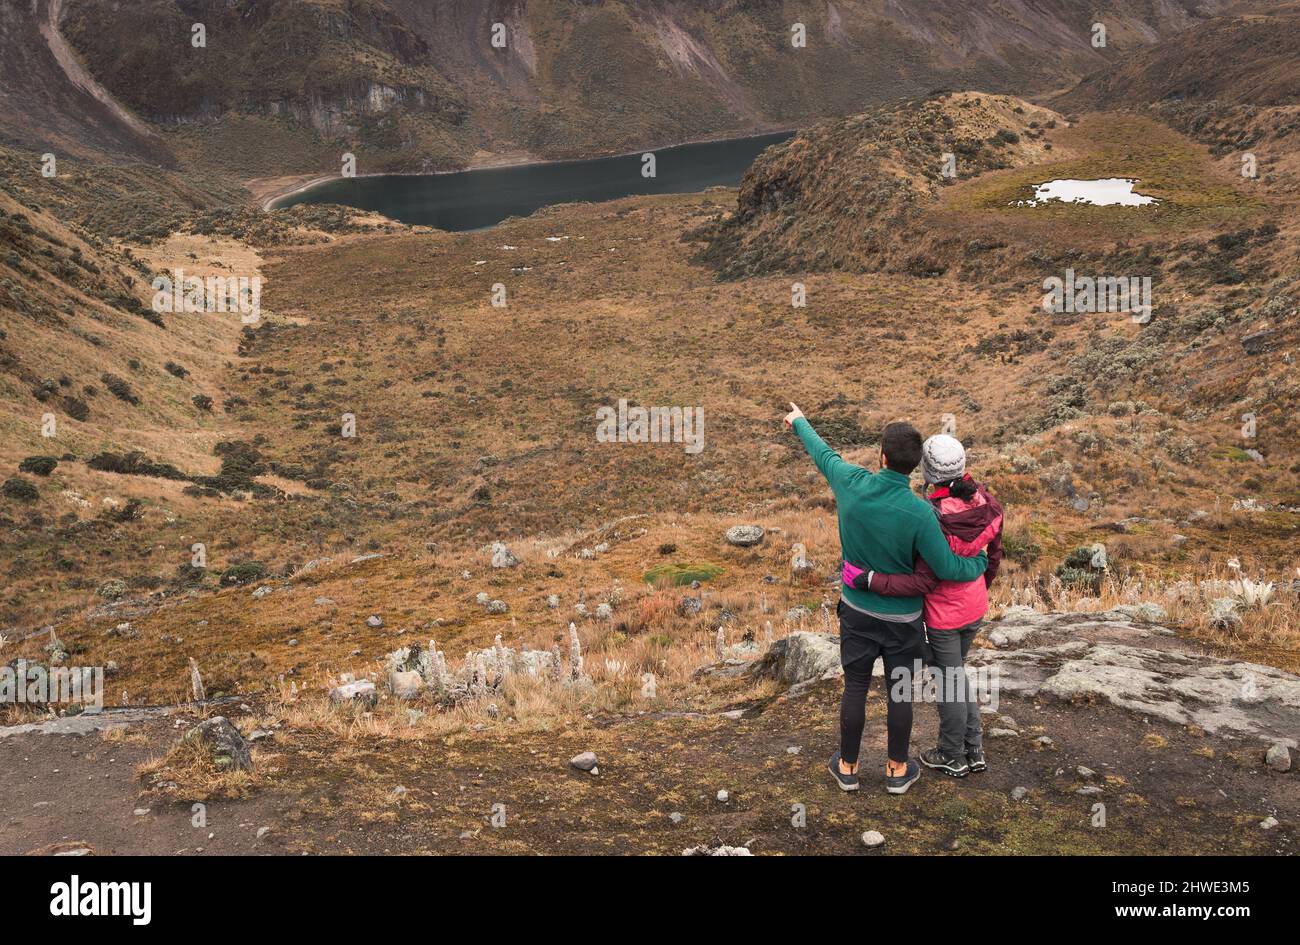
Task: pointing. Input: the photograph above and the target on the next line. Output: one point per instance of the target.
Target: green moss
(677, 575)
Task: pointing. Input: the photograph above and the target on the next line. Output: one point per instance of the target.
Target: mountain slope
(47, 102)
(1255, 59)
(288, 85)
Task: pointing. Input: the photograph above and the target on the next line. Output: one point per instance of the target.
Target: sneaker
(975, 758)
(900, 784)
(940, 760)
(847, 782)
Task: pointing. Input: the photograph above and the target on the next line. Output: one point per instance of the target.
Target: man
(883, 526)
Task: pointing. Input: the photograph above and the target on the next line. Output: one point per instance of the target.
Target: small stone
(1088, 790)
(1269, 822)
(873, 838)
(140, 811)
(262, 832)
(1019, 793)
(1002, 733)
(323, 602)
(375, 621)
(1043, 741)
(723, 796)
(584, 762)
(1086, 773)
(793, 750)
(1278, 757)
(676, 818)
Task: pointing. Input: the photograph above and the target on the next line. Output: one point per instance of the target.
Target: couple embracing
(915, 578)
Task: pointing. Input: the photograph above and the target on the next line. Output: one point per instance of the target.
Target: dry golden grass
(187, 772)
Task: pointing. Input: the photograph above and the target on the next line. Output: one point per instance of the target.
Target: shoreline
(305, 182)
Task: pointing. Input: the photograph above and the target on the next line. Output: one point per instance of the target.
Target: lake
(474, 200)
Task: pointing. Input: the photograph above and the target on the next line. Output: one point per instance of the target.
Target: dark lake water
(471, 200)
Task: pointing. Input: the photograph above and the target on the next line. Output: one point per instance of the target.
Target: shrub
(38, 465)
(133, 463)
(243, 573)
(176, 370)
(19, 489)
(76, 408)
(203, 402)
(1021, 547)
(120, 389)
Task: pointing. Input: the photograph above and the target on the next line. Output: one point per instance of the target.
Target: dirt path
(1164, 790)
(77, 74)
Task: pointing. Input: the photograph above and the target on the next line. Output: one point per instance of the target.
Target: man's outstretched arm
(933, 547)
(828, 462)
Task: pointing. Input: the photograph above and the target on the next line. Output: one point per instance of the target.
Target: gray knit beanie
(943, 459)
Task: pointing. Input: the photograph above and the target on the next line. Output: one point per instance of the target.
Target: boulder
(801, 657)
(584, 762)
(223, 742)
(361, 692)
(1145, 612)
(1278, 757)
(745, 536)
(1259, 342)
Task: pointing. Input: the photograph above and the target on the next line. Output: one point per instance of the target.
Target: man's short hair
(901, 444)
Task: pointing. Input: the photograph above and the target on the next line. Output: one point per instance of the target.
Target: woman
(971, 519)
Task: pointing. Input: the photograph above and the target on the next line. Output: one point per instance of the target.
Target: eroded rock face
(1143, 668)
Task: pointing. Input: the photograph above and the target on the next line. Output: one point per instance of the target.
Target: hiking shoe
(900, 784)
(975, 758)
(847, 782)
(940, 760)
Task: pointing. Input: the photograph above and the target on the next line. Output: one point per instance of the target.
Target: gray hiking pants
(959, 712)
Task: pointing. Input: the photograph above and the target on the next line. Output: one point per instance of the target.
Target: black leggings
(853, 706)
